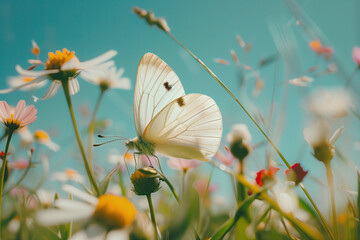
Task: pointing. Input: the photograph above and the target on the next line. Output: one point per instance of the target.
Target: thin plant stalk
(172, 189)
(305, 228)
(330, 179)
(92, 128)
(23, 175)
(121, 183)
(183, 183)
(318, 211)
(351, 77)
(252, 119)
(152, 214)
(3, 172)
(241, 225)
(78, 138)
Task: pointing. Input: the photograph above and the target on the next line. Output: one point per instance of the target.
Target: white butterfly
(169, 122)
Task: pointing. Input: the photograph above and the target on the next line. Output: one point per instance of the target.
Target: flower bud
(145, 181)
(295, 174)
(266, 176)
(239, 139)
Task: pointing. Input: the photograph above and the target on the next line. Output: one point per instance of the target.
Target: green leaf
(105, 182)
(229, 224)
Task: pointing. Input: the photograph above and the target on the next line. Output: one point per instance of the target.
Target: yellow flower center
(57, 59)
(41, 135)
(12, 123)
(27, 79)
(71, 173)
(114, 212)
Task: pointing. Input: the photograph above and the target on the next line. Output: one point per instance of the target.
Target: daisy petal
(80, 194)
(55, 217)
(28, 73)
(52, 90)
(124, 83)
(336, 135)
(53, 146)
(100, 59)
(36, 80)
(73, 86)
(28, 113)
(71, 205)
(19, 109)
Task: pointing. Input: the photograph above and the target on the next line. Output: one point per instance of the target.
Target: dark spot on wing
(167, 86)
(180, 101)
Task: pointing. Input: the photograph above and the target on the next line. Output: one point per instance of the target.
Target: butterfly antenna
(114, 140)
(111, 136)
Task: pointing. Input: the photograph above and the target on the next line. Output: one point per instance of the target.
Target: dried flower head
(301, 81)
(151, 19)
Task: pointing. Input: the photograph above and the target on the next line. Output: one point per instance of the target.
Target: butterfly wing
(156, 86)
(189, 127)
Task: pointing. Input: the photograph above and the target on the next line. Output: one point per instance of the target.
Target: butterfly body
(169, 122)
(141, 146)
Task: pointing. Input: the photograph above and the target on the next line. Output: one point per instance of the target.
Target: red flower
(2, 154)
(296, 173)
(265, 175)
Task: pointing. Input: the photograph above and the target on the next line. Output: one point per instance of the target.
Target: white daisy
(60, 67)
(46, 198)
(68, 175)
(17, 81)
(43, 138)
(107, 78)
(108, 212)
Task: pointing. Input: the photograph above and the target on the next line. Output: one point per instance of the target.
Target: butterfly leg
(136, 160)
(158, 162)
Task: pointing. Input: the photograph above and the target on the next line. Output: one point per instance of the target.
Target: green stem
(241, 191)
(92, 128)
(23, 175)
(170, 186)
(246, 112)
(152, 213)
(3, 173)
(121, 183)
(183, 183)
(330, 180)
(318, 211)
(93, 183)
(243, 222)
